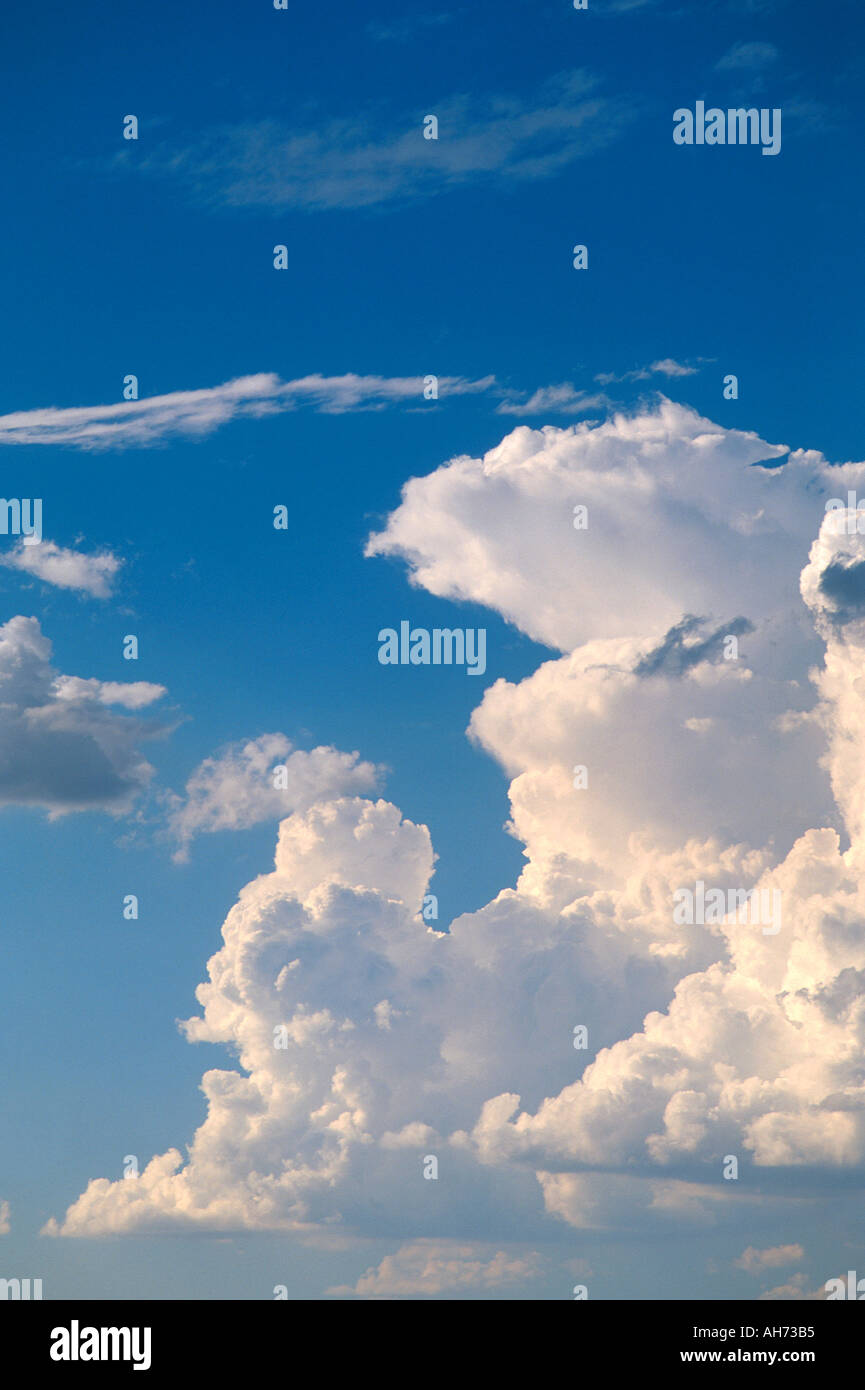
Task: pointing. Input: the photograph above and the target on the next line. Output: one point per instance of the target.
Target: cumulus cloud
(756, 1261)
(360, 161)
(66, 569)
(795, 1290)
(722, 1069)
(262, 779)
(62, 745)
(659, 486)
(197, 413)
(310, 948)
(426, 1268)
(367, 1041)
(5, 1225)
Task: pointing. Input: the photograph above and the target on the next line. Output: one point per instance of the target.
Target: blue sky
(155, 257)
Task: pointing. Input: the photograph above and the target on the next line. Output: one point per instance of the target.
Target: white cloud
(725, 1068)
(241, 787)
(703, 1041)
(312, 947)
(427, 1268)
(795, 1290)
(756, 1261)
(665, 473)
(61, 745)
(564, 399)
(130, 694)
(147, 421)
(67, 569)
(665, 366)
(5, 1224)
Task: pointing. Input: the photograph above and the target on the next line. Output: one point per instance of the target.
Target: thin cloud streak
(148, 421)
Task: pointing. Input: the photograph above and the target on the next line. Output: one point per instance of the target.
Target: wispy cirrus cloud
(632, 7)
(407, 27)
(665, 366)
(154, 418)
(359, 161)
(563, 399)
(747, 56)
(148, 422)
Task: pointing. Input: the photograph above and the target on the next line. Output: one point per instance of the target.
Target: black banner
(87, 1339)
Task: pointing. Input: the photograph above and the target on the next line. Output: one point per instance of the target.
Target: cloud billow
(64, 745)
(705, 1041)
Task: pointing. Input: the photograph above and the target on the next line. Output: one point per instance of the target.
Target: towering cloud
(366, 1041)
